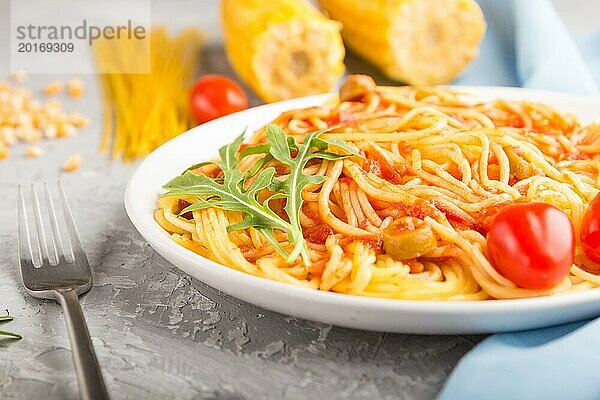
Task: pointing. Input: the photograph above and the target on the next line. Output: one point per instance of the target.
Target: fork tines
(37, 248)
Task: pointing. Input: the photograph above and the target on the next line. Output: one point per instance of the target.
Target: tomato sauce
(453, 170)
(405, 148)
(493, 171)
(416, 267)
(343, 117)
(578, 156)
(514, 121)
(379, 166)
(317, 268)
(373, 243)
(182, 204)
(248, 253)
(419, 210)
(317, 234)
(461, 223)
(311, 212)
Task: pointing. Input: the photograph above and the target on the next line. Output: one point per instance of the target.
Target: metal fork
(50, 270)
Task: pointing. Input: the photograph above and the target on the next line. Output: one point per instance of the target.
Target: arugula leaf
(258, 149)
(229, 192)
(323, 143)
(195, 166)
(281, 147)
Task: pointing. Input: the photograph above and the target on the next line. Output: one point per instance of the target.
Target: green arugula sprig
(229, 192)
(8, 318)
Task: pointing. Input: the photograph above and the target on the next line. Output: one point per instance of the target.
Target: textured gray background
(160, 334)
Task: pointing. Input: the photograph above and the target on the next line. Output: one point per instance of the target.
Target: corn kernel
(7, 134)
(18, 76)
(4, 151)
(78, 120)
(20, 133)
(53, 107)
(75, 88)
(34, 104)
(73, 163)
(17, 103)
(50, 132)
(25, 119)
(53, 88)
(33, 152)
(31, 134)
(65, 129)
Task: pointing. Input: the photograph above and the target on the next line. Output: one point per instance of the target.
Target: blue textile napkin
(528, 45)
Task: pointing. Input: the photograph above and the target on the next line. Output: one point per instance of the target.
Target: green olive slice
(407, 238)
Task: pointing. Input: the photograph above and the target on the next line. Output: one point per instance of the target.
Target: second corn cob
(420, 42)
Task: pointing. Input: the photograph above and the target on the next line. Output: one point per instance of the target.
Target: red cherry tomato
(532, 244)
(213, 96)
(590, 230)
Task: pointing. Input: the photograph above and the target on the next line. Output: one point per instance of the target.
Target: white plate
(403, 316)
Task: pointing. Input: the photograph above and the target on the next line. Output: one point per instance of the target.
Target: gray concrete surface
(160, 334)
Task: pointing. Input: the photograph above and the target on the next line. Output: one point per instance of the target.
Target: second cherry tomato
(532, 244)
(590, 230)
(214, 96)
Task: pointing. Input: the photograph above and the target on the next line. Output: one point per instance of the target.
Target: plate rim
(163, 244)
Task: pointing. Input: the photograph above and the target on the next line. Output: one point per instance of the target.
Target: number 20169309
(45, 47)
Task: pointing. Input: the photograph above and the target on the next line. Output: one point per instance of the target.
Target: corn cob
(282, 48)
(420, 42)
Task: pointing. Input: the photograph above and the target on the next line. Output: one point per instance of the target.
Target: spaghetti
(144, 110)
(437, 156)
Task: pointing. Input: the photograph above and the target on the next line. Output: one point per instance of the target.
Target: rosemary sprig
(11, 335)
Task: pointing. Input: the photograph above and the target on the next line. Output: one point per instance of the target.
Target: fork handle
(89, 375)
